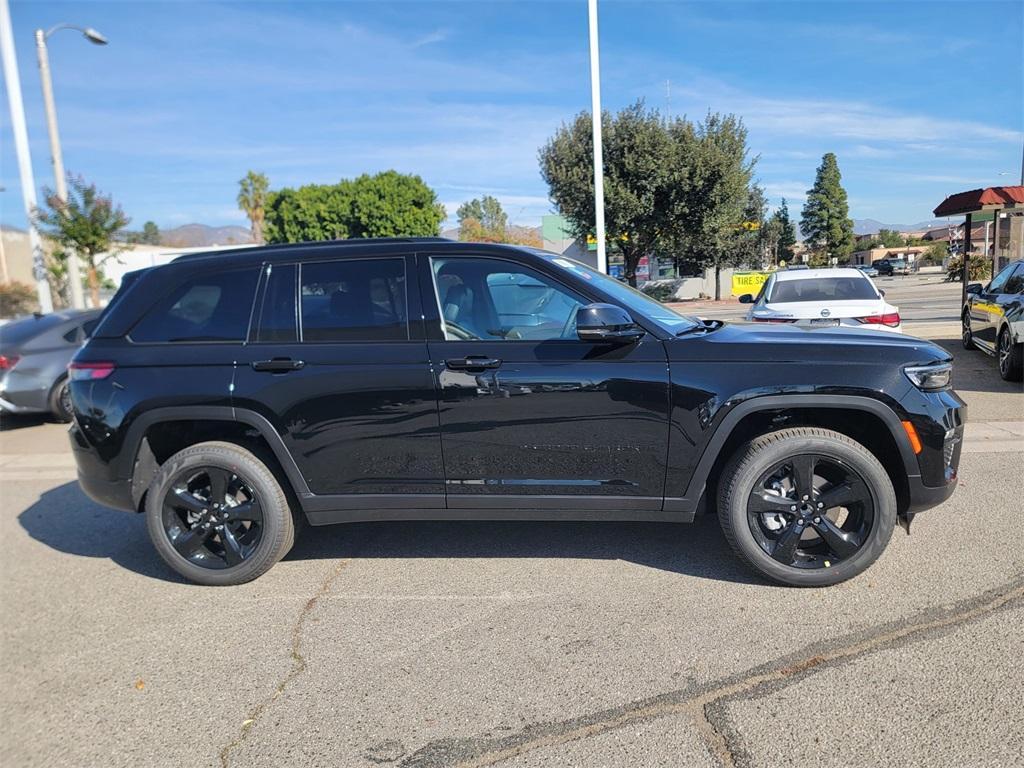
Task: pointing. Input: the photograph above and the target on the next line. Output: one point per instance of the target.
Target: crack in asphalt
(703, 704)
(298, 665)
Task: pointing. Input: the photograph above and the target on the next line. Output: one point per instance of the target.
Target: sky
(917, 99)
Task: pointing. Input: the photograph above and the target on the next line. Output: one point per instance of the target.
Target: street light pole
(60, 184)
(28, 183)
(595, 98)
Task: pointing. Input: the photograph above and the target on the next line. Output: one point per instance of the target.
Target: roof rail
(289, 246)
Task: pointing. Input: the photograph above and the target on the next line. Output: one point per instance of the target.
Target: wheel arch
(870, 422)
(160, 431)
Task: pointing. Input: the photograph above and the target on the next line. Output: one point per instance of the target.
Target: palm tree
(252, 197)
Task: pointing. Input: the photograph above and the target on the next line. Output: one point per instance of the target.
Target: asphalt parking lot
(520, 644)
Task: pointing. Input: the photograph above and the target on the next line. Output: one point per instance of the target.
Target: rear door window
(278, 320)
(209, 307)
(353, 300)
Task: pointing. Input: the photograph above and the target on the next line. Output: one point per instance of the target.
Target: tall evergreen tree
(786, 233)
(826, 216)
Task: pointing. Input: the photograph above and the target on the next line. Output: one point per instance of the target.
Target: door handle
(278, 365)
(472, 362)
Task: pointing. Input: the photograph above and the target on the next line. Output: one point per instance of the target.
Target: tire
(254, 482)
(835, 453)
(966, 334)
(60, 402)
(1009, 356)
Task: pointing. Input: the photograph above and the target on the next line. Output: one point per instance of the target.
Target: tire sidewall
(882, 496)
(57, 409)
(966, 334)
(276, 514)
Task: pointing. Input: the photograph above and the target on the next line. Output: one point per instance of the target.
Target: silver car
(34, 356)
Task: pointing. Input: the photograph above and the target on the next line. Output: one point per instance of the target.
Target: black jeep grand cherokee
(230, 396)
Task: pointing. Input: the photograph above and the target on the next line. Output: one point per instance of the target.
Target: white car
(823, 298)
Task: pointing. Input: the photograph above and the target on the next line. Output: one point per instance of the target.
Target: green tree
(151, 233)
(482, 219)
(252, 198)
(826, 215)
(890, 238)
(640, 168)
(715, 177)
(87, 223)
(388, 204)
(392, 204)
(786, 237)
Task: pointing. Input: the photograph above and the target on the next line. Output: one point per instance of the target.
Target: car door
(336, 366)
(1011, 299)
(530, 415)
(986, 309)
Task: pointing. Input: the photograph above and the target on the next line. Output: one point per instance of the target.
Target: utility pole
(595, 99)
(28, 183)
(60, 186)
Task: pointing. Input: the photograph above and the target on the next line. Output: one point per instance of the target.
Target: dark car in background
(34, 356)
(993, 319)
(890, 267)
(229, 396)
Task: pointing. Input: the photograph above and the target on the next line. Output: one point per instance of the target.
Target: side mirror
(881, 292)
(607, 323)
(747, 298)
(974, 288)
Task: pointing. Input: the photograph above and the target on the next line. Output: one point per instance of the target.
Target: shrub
(16, 299)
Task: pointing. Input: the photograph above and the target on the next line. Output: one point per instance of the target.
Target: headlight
(930, 378)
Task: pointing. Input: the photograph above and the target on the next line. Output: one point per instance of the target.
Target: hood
(741, 342)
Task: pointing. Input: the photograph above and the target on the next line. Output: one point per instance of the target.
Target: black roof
(285, 247)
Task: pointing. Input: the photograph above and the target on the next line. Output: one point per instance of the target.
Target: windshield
(822, 289)
(629, 297)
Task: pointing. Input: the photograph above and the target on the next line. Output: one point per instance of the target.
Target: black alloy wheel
(1010, 357)
(967, 336)
(212, 517)
(811, 511)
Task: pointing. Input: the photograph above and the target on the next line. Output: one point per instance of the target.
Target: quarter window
(354, 300)
(209, 307)
(492, 299)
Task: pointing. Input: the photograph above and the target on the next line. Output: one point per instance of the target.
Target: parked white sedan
(823, 298)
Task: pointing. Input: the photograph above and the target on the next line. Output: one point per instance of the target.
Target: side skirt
(332, 516)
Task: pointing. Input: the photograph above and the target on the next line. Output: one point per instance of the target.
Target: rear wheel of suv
(217, 514)
(806, 507)
(1010, 354)
(967, 335)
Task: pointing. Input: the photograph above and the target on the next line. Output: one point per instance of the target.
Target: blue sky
(917, 99)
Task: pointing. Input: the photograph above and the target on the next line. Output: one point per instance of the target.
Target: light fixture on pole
(60, 187)
(595, 99)
(28, 183)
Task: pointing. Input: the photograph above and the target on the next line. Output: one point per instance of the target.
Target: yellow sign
(748, 282)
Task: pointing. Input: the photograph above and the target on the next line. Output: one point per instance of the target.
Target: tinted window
(354, 300)
(209, 307)
(1016, 283)
(822, 289)
(499, 300)
(999, 281)
(278, 318)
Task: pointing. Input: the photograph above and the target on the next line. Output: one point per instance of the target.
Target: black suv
(232, 396)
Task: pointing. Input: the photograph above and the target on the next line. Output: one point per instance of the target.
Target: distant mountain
(871, 226)
(193, 235)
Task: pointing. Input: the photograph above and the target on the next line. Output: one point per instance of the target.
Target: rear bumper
(6, 406)
(94, 476)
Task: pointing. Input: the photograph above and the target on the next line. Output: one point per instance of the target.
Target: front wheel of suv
(217, 515)
(806, 507)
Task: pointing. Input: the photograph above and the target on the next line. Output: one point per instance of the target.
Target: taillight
(892, 319)
(774, 320)
(86, 371)
(8, 361)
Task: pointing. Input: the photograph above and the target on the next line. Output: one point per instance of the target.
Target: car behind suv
(993, 319)
(231, 396)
